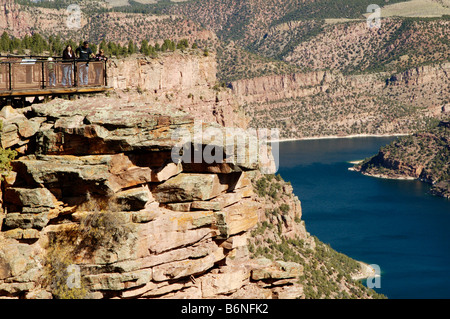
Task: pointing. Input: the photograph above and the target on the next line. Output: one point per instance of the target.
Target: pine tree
(144, 47)
(93, 47)
(112, 48)
(5, 42)
(131, 47)
(165, 45)
(38, 44)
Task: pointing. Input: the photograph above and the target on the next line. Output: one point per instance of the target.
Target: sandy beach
(335, 137)
(383, 176)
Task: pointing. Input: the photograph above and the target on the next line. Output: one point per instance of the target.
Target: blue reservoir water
(394, 224)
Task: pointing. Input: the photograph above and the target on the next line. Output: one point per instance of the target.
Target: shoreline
(335, 137)
(433, 192)
(365, 272)
(383, 176)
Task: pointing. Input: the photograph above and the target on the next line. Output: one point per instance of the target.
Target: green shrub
(6, 156)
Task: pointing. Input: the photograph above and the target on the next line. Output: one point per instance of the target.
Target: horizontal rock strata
(96, 188)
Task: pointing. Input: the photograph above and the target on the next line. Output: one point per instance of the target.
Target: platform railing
(34, 73)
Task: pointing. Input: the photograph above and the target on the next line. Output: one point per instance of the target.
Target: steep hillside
(281, 234)
(97, 23)
(327, 103)
(424, 155)
(352, 47)
(244, 20)
(235, 63)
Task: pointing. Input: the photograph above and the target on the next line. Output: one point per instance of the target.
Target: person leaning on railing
(84, 53)
(67, 66)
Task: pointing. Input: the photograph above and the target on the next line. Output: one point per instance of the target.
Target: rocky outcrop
(278, 87)
(183, 80)
(422, 75)
(10, 17)
(423, 156)
(321, 104)
(96, 188)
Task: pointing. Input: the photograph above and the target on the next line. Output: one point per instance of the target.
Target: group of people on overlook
(82, 54)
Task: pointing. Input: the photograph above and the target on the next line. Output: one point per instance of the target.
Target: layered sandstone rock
(174, 229)
(186, 80)
(287, 86)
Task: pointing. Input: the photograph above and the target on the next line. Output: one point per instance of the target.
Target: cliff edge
(130, 196)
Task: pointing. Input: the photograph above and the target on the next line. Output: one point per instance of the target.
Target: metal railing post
(106, 77)
(10, 76)
(43, 75)
(75, 77)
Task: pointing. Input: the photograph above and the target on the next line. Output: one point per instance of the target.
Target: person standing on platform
(67, 65)
(84, 53)
(51, 72)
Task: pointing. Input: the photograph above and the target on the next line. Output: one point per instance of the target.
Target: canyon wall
(102, 200)
(278, 87)
(10, 18)
(183, 80)
(97, 188)
(323, 103)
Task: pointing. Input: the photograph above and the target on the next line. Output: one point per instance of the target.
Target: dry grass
(416, 8)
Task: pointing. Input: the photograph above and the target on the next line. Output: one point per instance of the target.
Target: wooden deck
(53, 91)
(32, 76)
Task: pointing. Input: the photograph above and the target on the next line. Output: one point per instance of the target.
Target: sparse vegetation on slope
(327, 273)
(424, 155)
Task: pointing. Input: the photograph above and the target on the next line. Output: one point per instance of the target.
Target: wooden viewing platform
(22, 77)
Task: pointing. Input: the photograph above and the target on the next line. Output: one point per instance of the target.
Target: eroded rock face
(183, 80)
(174, 229)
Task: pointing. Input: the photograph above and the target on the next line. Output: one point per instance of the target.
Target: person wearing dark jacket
(84, 53)
(67, 66)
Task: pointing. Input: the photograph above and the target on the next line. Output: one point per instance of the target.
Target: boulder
(167, 171)
(25, 221)
(223, 200)
(30, 197)
(118, 281)
(71, 172)
(187, 187)
(15, 258)
(179, 207)
(276, 270)
(172, 230)
(236, 218)
(186, 267)
(227, 281)
(9, 135)
(27, 128)
(143, 259)
(22, 234)
(134, 199)
(130, 177)
(144, 216)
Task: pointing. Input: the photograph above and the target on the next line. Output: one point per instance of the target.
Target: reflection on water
(393, 223)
